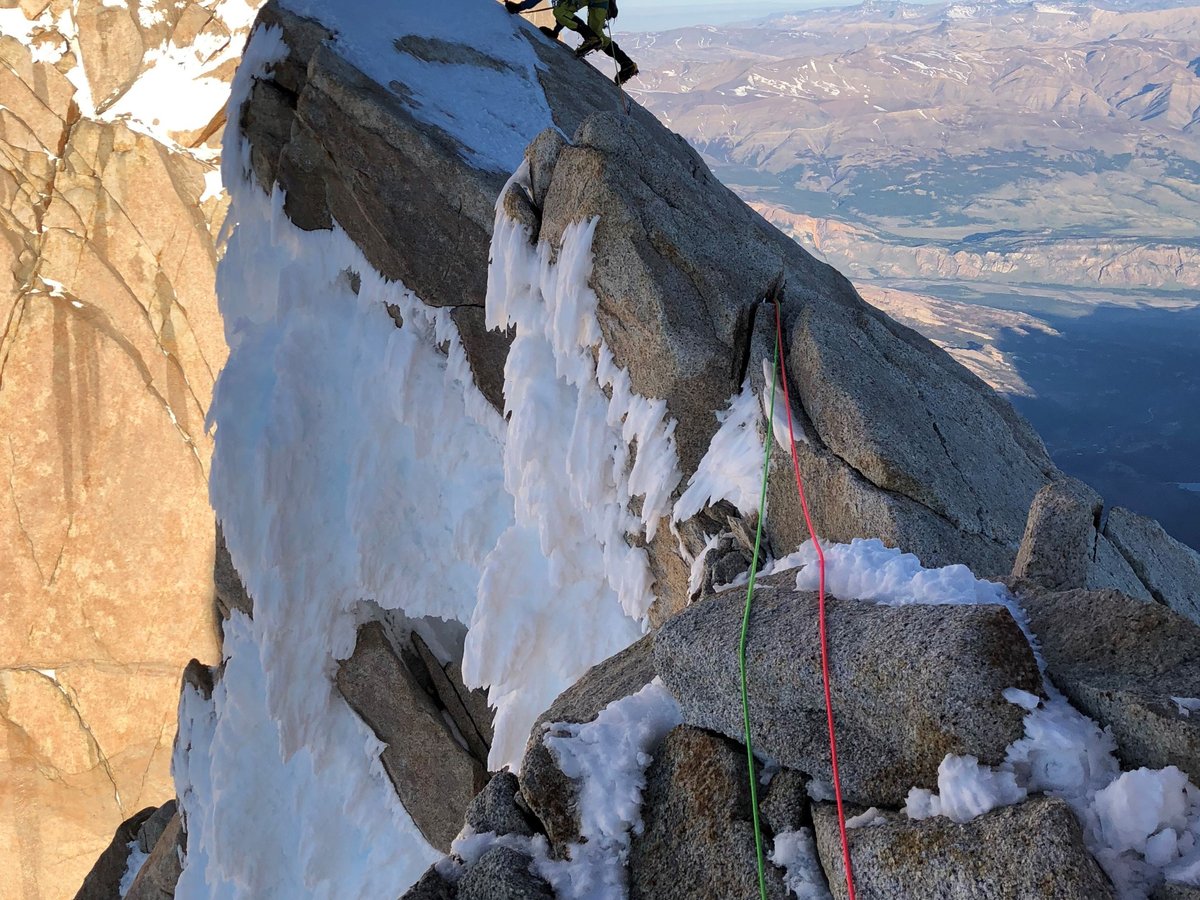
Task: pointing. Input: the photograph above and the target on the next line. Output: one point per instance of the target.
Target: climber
(592, 32)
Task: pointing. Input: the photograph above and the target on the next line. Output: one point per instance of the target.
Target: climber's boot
(628, 66)
(590, 43)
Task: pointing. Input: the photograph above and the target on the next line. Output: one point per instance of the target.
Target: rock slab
(1034, 849)
(698, 835)
(435, 777)
(910, 683)
(1122, 661)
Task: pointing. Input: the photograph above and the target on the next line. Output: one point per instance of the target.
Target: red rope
(837, 783)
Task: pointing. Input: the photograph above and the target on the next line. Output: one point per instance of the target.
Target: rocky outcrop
(698, 836)
(550, 794)
(912, 683)
(433, 770)
(160, 872)
(1034, 849)
(680, 265)
(1070, 542)
(899, 442)
(1132, 666)
(1169, 570)
(110, 342)
(104, 880)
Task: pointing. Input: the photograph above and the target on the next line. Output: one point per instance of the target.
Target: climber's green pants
(565, 11)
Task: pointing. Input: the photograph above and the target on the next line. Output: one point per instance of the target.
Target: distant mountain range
(966, 163)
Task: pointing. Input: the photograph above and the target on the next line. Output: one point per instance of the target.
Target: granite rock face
(911, 684)
(435, 776)
(1034, 849)
(110, 206)
(1123, 661)
(698, 837)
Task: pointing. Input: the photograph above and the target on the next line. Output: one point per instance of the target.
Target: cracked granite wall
(110, 340)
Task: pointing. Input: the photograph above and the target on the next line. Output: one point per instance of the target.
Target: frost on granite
(608, 757)
(567, 576)
(1063, 753)
(731, 468)
(491, 69)
(796, 853)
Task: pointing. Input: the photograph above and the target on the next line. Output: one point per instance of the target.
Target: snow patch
(496, 78)
(608, 757)
(133, 865)
(796, 853)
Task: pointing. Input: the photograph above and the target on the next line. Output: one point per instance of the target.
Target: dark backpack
(612, 9)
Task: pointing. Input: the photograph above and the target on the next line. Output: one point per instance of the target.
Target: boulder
(698, 834)
(1034, 849)
(435, 777)
(550, 794)
(785, 805)
(1169, 570)
(503, 874)
(1122, 661)
(496, 808)
(1060, 535)
(103, 882)
(433, 885)
(160, 872)
(911, 684)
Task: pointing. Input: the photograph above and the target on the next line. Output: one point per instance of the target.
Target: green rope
(762, 512)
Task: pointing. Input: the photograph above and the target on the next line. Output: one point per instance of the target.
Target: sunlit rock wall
(110, 206)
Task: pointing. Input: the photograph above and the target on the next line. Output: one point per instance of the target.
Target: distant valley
(1018, 181)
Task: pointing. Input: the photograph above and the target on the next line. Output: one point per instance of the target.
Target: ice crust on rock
(491, 69)
(731, 468)
(357, 461)
(258, 818)
(564, 576)
(608, 756)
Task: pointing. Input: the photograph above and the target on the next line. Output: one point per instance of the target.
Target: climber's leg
(564, 14)
(597, 19)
